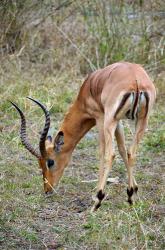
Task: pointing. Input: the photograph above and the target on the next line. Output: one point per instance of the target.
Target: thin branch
(92, 66)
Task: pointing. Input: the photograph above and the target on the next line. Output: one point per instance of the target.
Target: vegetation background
(46, 49)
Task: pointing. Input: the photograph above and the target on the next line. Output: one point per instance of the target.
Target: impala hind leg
(132, 185)
(109, 130)
(120, 138)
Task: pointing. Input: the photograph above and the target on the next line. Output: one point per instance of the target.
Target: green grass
(157, 141)
(29, 220)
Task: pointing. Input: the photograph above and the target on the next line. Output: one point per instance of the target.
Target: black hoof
(97, 206)
(135, 189)
(100, 195)
(130, 192)
(130, 201)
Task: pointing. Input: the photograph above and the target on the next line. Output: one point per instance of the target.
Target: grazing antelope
(108, 95)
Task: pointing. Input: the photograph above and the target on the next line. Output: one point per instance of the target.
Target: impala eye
(50, 163)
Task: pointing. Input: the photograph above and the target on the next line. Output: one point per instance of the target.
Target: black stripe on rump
(135, 105)
(123, 101)
(147, 102)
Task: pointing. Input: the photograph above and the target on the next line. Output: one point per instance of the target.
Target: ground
(31, 221)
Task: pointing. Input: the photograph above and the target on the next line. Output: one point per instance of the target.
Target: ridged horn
(46, 127)
(23, 135)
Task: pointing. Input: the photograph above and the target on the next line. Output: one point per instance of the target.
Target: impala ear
(59, 141)
(48, 141)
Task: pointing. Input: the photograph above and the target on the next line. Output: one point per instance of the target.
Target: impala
(119, 91)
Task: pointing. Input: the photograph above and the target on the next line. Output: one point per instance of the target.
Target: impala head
(48, 153)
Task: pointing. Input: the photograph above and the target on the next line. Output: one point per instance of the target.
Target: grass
(30, 221)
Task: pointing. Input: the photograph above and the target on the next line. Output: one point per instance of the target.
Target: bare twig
(92, 66)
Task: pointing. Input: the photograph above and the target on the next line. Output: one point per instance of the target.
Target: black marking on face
(100, 195)
(50, 163)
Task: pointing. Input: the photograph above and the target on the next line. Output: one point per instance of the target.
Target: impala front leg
(100, 126)
(107, 166)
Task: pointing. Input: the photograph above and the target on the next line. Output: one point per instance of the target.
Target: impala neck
(75, 125)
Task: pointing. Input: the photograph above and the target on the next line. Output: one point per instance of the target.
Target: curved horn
(46, 127)
(23, 133)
